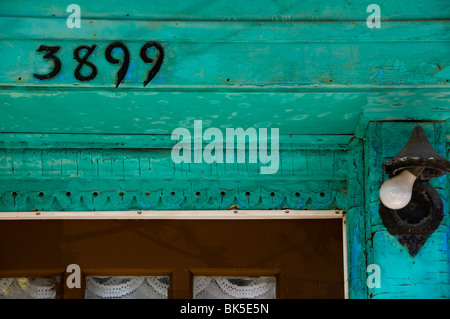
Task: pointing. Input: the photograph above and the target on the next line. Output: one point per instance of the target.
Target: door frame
(231, 214)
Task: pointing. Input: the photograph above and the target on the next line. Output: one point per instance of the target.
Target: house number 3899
(83, 61)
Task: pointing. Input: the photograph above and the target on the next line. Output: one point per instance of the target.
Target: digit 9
(125, 63)
(157, 60)
(157, 63)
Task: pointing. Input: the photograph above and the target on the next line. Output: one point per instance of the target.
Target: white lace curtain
(142, 287)
(28, 288)
(126, 287)
(234, 288)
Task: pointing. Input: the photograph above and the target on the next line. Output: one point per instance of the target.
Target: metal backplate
(414, 223)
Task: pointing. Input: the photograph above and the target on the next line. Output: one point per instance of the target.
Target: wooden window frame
(64, 292)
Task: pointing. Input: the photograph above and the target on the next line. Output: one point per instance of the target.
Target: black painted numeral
(83, 61)
(125, 63)
(52, 50)
(158, 60)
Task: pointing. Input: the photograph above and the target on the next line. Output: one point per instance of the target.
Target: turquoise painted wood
(426, 275)
(215, 53)
(305, 113)
(344, 97)
(231, 10)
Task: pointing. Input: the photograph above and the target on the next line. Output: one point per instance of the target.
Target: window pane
(234, 287)
(28, 288)
(127, 287)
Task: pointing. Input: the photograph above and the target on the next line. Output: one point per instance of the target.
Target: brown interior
(306, 256)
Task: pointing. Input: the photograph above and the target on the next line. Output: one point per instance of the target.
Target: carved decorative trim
(141, 195)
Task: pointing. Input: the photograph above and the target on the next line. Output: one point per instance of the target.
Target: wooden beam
(172, 214)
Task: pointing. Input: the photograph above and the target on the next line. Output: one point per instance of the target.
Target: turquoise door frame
(427, 274)
(344, 97)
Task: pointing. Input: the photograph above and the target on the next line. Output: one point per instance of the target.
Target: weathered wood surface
(233, 10)
(305, 113)
(215, 54)
(402, 276)
(322, 74)
(106, 179)
(310, 68)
